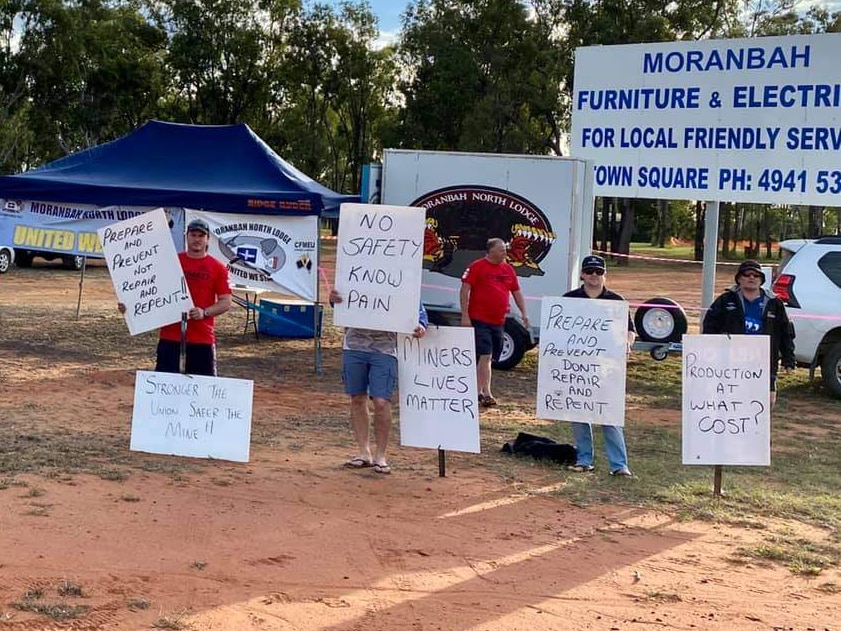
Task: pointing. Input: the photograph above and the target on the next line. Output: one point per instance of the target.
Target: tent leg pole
(81, 285)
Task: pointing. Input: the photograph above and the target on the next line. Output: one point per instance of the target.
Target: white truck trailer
(541, 206)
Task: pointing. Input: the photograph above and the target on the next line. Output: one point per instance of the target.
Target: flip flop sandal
(382, 468)
(358, 463)
(581, 468)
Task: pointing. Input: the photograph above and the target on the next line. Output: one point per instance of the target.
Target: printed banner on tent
(145, 271)
(378, 267)
(438, 394)
(55, 227)
(726, 400)
(192, 415)
(583, 352)
(272, 252)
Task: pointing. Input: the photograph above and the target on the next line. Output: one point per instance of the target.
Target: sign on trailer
(745, 120)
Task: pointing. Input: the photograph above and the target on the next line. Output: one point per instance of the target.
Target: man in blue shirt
(748, 309)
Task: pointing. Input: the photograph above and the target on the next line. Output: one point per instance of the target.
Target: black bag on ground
(541, 448)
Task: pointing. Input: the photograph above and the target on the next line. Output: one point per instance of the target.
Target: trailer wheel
(515, 343)
(659, 353)
(660, 320)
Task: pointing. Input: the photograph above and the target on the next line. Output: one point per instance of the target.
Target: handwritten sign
(145, 271)
(726, 412)
(378, 267)
(192, 415)
(583, 350)
(438, 394)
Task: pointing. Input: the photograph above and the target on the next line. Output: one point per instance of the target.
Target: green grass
(801, 485)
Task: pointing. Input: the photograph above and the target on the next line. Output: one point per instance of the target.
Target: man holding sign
(369, 370)
(593, 271)
(747, 309)
(207, 280)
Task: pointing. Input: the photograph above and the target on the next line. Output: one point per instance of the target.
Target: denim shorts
(488, 338)
(369, 372)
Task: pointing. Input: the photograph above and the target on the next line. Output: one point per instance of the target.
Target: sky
(388, 12)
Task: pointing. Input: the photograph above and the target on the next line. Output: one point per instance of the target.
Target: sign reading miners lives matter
(145, 271)
(192, 415)
(581, 367)
(743, 120)
(726, 415)
(438, 394)
(378, 267)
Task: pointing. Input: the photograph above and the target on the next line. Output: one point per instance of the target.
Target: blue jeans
(614, 445)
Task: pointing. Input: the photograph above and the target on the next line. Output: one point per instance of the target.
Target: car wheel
(73, 262)
(660, 320)
(831, 370)
(5, 261)
(515, 343)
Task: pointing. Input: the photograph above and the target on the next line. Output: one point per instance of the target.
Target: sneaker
(623, 473)
(581, 468)
(489, 402)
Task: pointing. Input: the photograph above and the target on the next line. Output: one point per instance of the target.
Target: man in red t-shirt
(207, 280)
(485, 286)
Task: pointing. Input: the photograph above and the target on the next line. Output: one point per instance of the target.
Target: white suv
(809, 282)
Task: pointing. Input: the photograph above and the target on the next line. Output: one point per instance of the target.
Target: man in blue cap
(593, 272)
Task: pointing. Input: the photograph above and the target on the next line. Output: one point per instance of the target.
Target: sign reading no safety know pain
(722, 120)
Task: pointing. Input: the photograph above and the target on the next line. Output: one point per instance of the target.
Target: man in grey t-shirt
(369, 370)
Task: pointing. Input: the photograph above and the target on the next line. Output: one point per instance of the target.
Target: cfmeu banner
(270, 252)
(57, 227)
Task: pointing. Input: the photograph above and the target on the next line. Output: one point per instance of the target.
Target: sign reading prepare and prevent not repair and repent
(739, 120)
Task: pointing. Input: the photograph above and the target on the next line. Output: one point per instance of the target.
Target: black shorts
(488, 338)
(201, 358)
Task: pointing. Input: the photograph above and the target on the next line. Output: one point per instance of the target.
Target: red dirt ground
(293, 541)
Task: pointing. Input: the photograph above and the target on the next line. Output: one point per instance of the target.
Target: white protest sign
(726, 411)
(583, 352)
(272, 252)
(438, 394)
(378, 267)
(145, 271)
(744, 120)
(192, 415)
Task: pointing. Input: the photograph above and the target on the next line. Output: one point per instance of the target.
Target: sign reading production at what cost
(145, 271)
(378, 267)
(192, 415)
(726, 413)
(752, 120)
(581, 369)
(438, 394)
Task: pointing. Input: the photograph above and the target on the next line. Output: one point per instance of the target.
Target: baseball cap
(750, 266)
(199, 224)
(593, 262)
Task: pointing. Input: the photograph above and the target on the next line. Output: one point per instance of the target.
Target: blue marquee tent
(222, 168)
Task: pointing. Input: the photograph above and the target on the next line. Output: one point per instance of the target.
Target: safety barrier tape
(670, 260)
(792, 313)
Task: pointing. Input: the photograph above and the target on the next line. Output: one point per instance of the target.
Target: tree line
(314, 81)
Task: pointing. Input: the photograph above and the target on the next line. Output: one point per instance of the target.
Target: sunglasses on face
(752, 275)
(597, 271)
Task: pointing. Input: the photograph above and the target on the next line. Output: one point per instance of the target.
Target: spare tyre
(660, 320)
(515, 343)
